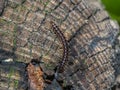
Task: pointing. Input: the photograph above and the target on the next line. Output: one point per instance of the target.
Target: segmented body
(60, 35)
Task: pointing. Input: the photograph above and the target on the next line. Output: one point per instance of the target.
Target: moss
(3, 21)
(11, 73)
(30, 48)
(16, 83)
(47, 11)
(46, 3)
(64, 83)
(13, 5)
(41, 1)
(23, 1)
(119, 34)
(49, 66)
(14, 36)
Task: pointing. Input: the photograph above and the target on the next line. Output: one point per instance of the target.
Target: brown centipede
(60, 35)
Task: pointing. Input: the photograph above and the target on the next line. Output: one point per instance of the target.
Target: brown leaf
(35, 77)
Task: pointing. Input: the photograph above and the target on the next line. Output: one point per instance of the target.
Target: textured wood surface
(25, 34)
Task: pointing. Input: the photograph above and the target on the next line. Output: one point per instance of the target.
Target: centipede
(64, 42)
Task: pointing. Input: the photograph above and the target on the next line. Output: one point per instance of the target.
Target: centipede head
(58, 69)
(52, 24)
(61, 70)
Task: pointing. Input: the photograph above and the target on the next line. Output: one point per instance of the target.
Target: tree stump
(25, 34)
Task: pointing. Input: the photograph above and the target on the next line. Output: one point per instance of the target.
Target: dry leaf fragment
(35, 77)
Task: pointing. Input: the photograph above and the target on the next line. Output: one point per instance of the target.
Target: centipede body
(60, 35)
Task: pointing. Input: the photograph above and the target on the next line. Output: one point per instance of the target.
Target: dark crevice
(58, 5)
(3, 4)
(72, 2)
(23, 1)
(42, 22)
(113, 88)
(49, 77)
(98, 52)
(68, 87)
(81, 69)
(93, 13)
(76, 33)
(107, 18)
(75, 6)
(71, 63)
(5, 54)
(74, 72)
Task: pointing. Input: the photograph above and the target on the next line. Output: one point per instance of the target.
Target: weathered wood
(2, 4)
(25, 32)
(12, 76)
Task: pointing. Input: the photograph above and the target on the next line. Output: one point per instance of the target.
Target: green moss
(16, 83)
(11, 73)
(30, 48)
(47, 11)
(3, 21)
(46, 3)
(15, 35)
(41, 1)
(49, 66)
(64, 83)
(23, 1)
(20, 8)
